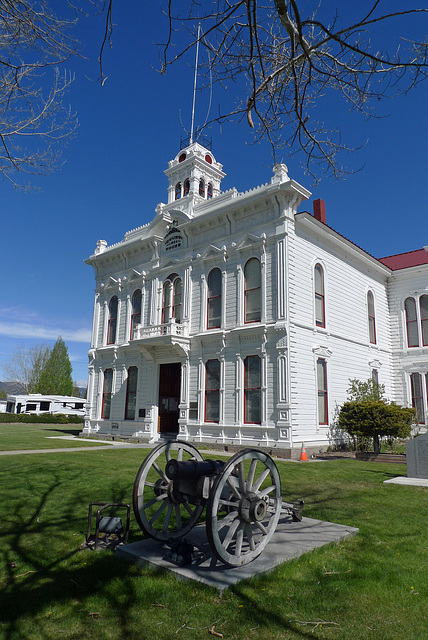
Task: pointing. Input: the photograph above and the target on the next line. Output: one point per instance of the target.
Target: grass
(21, 436)
(371, 586)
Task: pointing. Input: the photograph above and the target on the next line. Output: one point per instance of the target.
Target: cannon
(242, 498)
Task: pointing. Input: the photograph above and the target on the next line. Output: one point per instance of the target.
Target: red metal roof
(406, 260)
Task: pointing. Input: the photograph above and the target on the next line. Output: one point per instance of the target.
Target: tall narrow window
(135, 312)
(176, 306)
(186, 187)
(209, 191)
(171, 299)
(112, 320)
(411, 323)
(178, 191)
(319, 296)
(417, 397)
(214, 299)
(252, 389)
(322, 391)
(252, 291)
(107, 391)
(212, 391)
(371, 317)
(202, 188)
(423, 305)
(131, 393)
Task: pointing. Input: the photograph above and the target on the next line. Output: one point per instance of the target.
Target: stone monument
(417, 457)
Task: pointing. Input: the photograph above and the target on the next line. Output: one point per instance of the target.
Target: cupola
(194, 173)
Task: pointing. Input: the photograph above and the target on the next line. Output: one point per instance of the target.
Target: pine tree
(56, 376)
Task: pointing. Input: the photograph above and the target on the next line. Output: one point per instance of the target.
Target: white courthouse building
(233, 318)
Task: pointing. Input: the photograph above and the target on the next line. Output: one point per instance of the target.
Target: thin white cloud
(28, 330)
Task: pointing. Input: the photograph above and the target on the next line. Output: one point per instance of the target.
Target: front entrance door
(169, 396)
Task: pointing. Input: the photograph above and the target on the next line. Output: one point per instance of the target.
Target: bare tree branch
(288, 58)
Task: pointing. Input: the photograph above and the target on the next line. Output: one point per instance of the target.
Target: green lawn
(371, 586)
(19, 436)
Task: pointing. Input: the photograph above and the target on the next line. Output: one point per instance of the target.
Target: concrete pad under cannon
(290, 540)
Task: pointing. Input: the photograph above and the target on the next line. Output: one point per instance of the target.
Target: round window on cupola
(208, 159)
(182, 157)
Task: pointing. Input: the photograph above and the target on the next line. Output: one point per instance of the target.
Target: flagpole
(194, 84)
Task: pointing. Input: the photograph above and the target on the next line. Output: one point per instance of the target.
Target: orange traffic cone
(303, 455)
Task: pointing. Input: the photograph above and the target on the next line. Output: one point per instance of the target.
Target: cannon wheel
(244, 507)
(159, 514)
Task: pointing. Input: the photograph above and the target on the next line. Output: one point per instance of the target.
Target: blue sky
(113, 179)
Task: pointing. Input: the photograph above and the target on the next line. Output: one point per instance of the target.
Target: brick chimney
(319, 210)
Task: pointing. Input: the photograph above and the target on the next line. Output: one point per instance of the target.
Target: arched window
(131, 393)
(107, 391)
(322, 391)
(202, 188)
(171, 299)
(423, 306)
(212, 391)
(417, 397)
(252, 291)
(135, 311)
(112, 320)
(209, 191)
(178, 191)
(186, 187)
(252, 390)
(411, 323)
(371, 317)
(319, 296)
(214, 299)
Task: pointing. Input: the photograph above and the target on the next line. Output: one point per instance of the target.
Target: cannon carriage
(242, 498)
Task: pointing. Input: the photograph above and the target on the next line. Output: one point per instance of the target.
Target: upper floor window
(252, 291)
(171, 300)
(112, 320)
(423, 307)
(212, 391)
(135, 311)
(131, 393)
(319, 296)
(214, 299)
(178, 191)
(371, 317)
(252, 389)
(202, 188)
(107, 391)
(322, 391)
(411, 322)
(209, 191)
(186, 187)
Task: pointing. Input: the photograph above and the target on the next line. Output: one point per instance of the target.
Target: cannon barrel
(192, 469)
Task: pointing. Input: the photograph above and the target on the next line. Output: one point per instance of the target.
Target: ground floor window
(322, 391)
(417, 396)
(131, 393)
(212, 391)
(107, 390)
(252, 390)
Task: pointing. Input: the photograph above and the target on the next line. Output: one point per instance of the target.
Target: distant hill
(11, 387)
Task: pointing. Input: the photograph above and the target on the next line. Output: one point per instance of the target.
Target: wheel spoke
(267, 491)
(180, 455)
(228, 503)
(167, 518)
(156, 515)
(250, 535)
(262, 477)
(177, 516)
(241, 476)
(233, 488)
(160, 472)
(250, 476)
(227, 520)
(188, 508)
(239, 539)
(262, 528)
(148, 504)
(229, 535)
